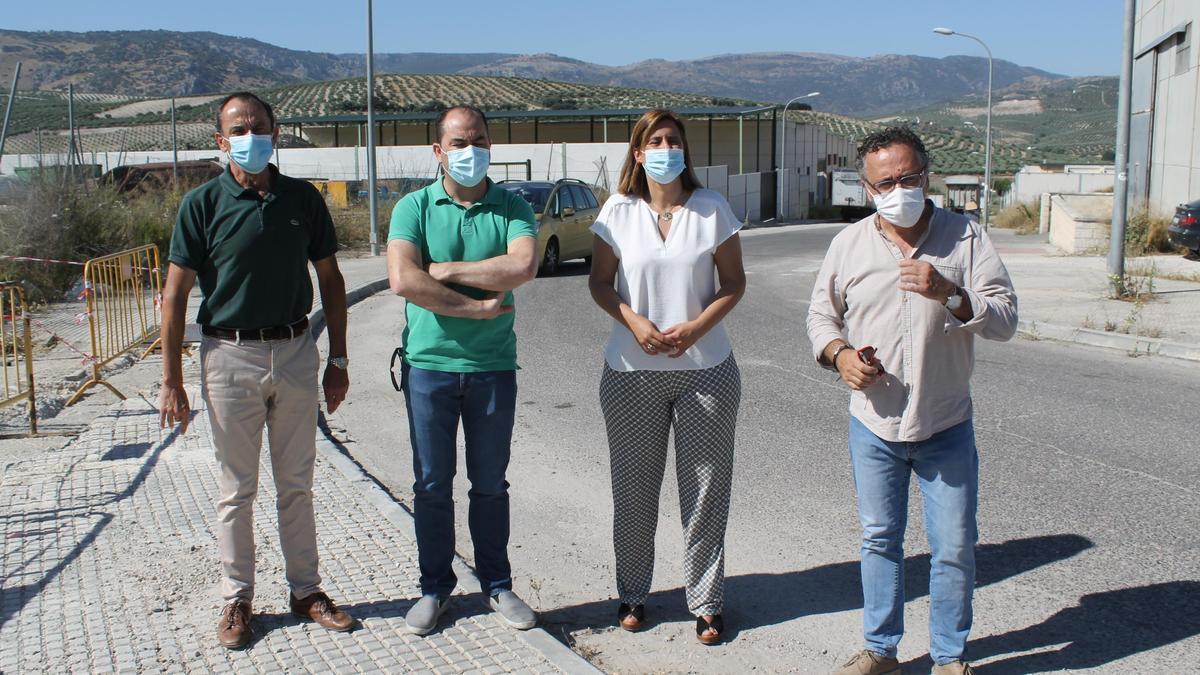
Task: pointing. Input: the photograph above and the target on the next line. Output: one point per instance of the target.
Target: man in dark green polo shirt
(456, 250)
(248, 237)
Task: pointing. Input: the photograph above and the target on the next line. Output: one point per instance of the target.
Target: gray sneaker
(513, 610)
(423, 616)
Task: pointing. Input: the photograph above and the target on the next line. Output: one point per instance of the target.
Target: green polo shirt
(251, 254)
(446, 231)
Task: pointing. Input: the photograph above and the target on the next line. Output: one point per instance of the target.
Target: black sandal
(717, 625)
(631, 617)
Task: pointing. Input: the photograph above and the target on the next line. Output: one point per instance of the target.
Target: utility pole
(174, 148)
(12, 94)
(372, 199)
(1116, 238)
(71, 132)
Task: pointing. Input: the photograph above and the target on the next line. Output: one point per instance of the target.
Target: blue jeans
(486, 404)
(947, 468)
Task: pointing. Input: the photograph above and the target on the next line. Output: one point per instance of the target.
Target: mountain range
(170, 63)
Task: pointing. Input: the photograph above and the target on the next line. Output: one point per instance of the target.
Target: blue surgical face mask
(664, 166)
(251, 152)
(467, 166)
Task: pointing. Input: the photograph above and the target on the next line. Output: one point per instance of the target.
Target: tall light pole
(783, 154)
(987, 157)
(1116, 238)
(372, 199)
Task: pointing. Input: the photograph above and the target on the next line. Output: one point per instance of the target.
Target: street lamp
(372, 199)
(987, 158)
(783, 153)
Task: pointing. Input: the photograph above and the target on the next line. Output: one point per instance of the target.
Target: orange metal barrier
(123, 290)
(16, 351)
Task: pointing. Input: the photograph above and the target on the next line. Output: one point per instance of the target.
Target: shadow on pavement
(757, 600)
(14, 597)
(1101, 628)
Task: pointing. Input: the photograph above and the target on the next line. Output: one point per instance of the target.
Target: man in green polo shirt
(248, 237)
(456, 250)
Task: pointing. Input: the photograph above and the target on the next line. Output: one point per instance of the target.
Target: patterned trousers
(640, 408)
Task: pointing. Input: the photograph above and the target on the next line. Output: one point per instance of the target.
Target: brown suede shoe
(233, 628)
(321, 609)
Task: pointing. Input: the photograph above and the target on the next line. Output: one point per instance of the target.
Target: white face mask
(902, 206)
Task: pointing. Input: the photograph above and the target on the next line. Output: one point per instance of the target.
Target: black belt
(259, 334)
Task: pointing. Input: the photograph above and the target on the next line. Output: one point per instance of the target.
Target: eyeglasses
(912, 180)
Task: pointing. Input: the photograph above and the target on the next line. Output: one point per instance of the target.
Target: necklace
(666, 215)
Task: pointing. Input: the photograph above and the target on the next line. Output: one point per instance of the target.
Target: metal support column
(372, 197)
(12, 94)
(741, 135)
(1116, 237)
(174, 148)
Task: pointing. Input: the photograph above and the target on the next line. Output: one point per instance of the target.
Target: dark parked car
(1185, 228)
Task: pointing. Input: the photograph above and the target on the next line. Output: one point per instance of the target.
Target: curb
(558, 654)
(766, 225)
(1130, 344)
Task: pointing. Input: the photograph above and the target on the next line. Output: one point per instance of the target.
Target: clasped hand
(672, 342)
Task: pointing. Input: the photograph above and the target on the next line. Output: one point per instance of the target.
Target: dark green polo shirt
(251, 254)
(446, 231)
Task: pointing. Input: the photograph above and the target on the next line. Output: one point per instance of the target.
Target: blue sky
(1072, 37)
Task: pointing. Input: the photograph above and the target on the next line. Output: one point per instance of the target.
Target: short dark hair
(878, 140)
(244, 96)
(439, 126)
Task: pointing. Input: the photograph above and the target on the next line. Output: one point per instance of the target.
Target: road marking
(980, 425)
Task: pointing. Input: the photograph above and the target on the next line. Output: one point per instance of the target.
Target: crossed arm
(428, 288)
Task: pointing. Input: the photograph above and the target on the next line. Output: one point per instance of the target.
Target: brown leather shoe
(233, 628)
(321, 609)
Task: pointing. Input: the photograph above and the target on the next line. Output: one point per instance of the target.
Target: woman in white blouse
(667, 266)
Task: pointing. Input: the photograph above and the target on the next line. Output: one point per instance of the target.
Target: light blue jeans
(947, 469)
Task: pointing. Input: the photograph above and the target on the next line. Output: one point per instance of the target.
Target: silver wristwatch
(954, 301)
(341, 362)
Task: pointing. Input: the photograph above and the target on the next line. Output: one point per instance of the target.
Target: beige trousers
(245, 386)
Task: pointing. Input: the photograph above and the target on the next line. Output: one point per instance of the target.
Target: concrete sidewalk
(1065, 297)
(109, 562)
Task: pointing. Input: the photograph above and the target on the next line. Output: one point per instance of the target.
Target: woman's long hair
(633, 176)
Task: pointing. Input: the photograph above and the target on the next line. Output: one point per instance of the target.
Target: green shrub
(351, 224)
(1024, 217)
(1146, 233)
(61, 219)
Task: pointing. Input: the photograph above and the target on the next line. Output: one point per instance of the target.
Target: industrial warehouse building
(1164, 136)
(741, 145)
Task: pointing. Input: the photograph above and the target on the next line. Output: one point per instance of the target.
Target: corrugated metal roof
(526, 114)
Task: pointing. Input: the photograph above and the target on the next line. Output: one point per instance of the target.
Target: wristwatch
(841, 347)
(954, 301)
(341, 362)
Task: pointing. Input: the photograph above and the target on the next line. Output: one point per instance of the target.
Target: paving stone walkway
(108, 563)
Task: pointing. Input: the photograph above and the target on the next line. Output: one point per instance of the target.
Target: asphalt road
(1089, 557)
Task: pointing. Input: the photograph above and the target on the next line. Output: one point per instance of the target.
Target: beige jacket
(927, 353)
